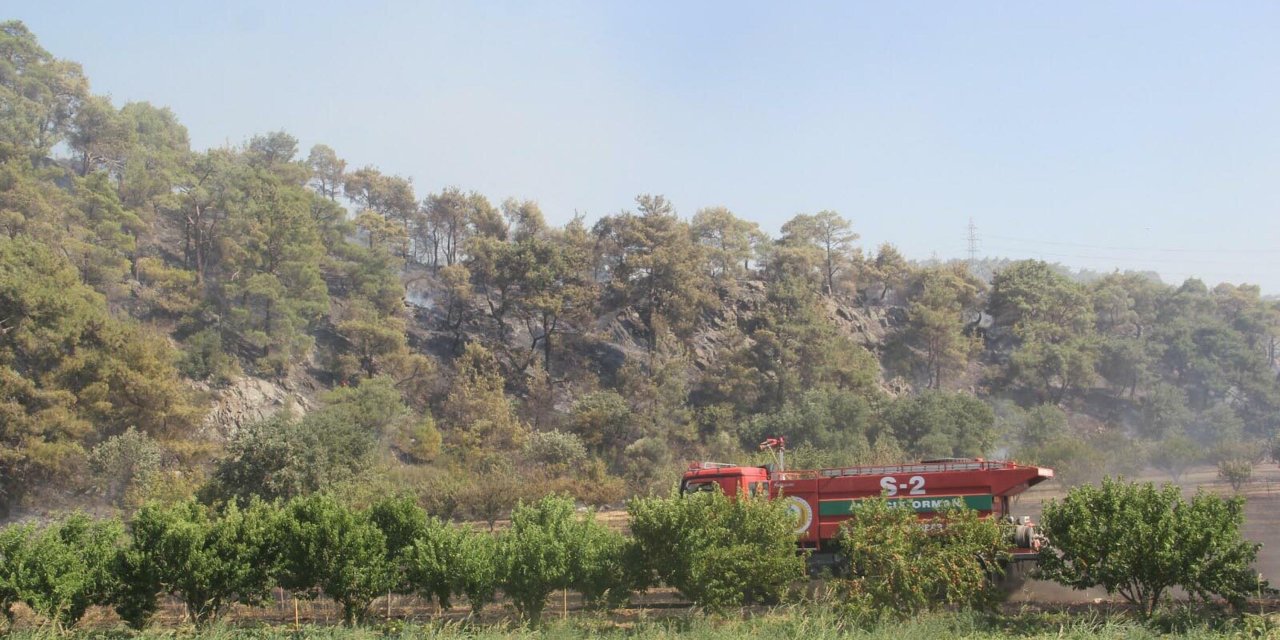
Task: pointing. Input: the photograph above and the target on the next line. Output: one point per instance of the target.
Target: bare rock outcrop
(248, 399)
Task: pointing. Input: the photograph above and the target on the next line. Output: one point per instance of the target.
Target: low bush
(13, 547)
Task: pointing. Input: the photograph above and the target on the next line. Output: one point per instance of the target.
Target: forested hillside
(260, 319)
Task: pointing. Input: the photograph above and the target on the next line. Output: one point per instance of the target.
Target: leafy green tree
(601, 566)
(331, 549)
(480, 569)
(943, 299)
(66, 567)
(525, 219)
(101, 235)
(269, 269)
(39, 94)
(403, 524)
(124, 465)
(715, 551)
(1052, 320)
(938, 423)
(1162, 541)
(477, 412)
(453, 218)
(729, 243)
(70, 370)
(536, 553)
(1163, 411)
(829, 235)
(890, 269)
(839, 422)
(1073, 459)
(1235, 471)
(654, 268)
(554, 295)
(327, 170)
(391, 198)
(795, 346)
(210, 559)
(900, 569)
(157, 161)
(1175, 454)
(100, 134)
(604, 422)
(435, 562)
(283, 458)
(1043, 424)
(556, 450)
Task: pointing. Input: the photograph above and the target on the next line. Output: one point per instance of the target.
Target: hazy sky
(1132, 135)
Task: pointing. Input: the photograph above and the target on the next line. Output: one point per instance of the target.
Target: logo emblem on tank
(803, 513)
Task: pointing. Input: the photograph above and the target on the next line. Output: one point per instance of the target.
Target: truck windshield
(699, 486)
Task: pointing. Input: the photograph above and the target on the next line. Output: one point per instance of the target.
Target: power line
(1139, 259)
(1113, 248)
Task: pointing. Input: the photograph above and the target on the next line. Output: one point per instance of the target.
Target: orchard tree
(480, 568)
(717, 552)
(13, 548)
(900, 569)
(66, 567)
(537, 554)
(331, 549)
(1139, 541)
(210, 559)
(435, 563)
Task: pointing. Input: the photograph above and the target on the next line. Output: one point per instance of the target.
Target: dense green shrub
(65, 567)
(209, 558)
(715, 551)
(330, 548)
(900, 568)
(13, 547)
(1139, 541)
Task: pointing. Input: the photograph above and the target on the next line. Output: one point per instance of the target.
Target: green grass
(781, 624)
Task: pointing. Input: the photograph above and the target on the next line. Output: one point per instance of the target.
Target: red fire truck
(822, 499)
